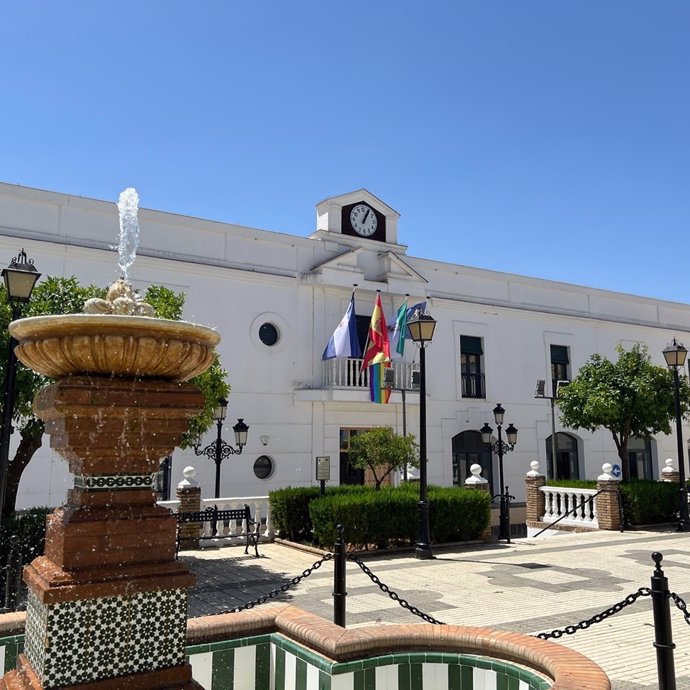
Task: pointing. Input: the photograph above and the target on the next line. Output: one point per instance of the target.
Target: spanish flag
(378, 347)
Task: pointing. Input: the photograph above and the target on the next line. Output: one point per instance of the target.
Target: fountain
(107, 601)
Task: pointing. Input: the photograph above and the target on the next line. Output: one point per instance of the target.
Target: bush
(648, 502)
(391, 515)
(458, 514)
(30, 529)
(573, 483)
(290, 509)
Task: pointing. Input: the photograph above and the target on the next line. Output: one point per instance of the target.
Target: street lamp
(389, 382)
(20, 277)
(501, 447)
(675, 355)
(219, 449)
(540, 394)
(421, 328)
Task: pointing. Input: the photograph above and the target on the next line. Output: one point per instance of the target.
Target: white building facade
(276, 299)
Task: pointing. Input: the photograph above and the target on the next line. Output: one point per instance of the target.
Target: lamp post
(501, 448)
(389, 382)
(219, 449)
(675, 355)
(421, 328)
(541, 395)
(20, 277)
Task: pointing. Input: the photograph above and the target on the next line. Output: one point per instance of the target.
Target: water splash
(128, 207)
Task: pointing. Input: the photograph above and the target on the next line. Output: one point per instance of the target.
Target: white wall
(237, 278)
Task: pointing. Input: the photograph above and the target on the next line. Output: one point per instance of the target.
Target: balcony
(342, 379)
(473, 386)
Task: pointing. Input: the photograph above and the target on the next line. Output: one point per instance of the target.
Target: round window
(263, 467)
(268, 334)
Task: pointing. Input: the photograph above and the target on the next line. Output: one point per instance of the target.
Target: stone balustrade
(234, 531)
(572, 506)
(569, 508)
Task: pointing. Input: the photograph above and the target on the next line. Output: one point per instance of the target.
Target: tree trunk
(625, 464)
(31, 441)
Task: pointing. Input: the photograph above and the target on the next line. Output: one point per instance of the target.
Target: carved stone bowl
(113, 345)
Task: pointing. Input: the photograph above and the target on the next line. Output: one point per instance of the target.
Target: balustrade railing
(346, 373)
(575, 504)
(258, 505)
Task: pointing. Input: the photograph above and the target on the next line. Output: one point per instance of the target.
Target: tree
(65, 296)
(629, 397)
(382, 451)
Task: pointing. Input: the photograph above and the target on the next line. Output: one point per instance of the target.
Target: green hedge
(647, 502)
(573, 483)
(30, 528)
(290, 509)
(390, 516)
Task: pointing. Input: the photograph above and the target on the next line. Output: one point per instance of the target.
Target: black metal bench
(216, 517)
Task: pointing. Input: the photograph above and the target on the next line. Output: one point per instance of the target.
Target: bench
(216, 518)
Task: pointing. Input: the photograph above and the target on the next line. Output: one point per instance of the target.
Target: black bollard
(663, 636)
(339, 592)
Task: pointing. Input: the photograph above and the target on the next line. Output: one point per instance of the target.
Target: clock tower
(359, 215)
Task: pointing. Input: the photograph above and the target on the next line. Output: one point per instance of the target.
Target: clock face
(363, 220)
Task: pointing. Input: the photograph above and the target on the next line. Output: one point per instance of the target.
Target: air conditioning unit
(541, 388)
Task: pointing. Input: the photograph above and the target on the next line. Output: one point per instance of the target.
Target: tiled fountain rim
(568, 669)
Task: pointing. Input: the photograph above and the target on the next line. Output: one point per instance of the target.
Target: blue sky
(537, 137)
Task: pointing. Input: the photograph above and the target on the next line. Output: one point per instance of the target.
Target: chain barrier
(393, 595)
(682, 606)
(583, 625)
(275, 592)
(554, 634)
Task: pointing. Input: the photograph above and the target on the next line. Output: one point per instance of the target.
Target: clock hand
(364, 220)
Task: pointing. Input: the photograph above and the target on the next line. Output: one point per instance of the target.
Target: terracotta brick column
(670, 473)
(107, 602)
(189, 495)
(476, 481)
(608, 513)
(534, 496)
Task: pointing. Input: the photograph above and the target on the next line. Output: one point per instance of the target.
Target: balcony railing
(473, 386)
(345, 373)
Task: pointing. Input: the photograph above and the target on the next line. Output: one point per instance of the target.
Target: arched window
(640, 458)
(468, 450)
(567, 460)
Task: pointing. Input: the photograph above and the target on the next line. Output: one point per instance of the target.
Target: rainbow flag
(378, 393)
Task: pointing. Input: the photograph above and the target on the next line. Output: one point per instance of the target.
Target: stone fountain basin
(113, 345)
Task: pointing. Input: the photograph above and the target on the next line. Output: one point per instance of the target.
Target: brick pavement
(528, 586)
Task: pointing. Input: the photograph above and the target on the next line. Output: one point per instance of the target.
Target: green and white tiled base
(88, 640)
(273, 662)
(10, 649)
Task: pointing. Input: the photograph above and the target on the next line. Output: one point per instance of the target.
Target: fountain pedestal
(107, 603)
